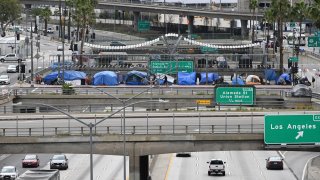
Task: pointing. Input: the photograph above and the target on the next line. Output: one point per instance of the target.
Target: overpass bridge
(145, 135)
(244, 16)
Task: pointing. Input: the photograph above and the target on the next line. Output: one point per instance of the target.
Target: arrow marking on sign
(300, 134)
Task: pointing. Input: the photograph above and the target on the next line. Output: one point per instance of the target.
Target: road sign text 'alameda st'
(235, 95)
(292, 129)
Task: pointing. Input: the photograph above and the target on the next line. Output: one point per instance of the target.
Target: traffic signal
(18, 36)
(23, 68)
(17, 68)
(294, 70)
(296, 49)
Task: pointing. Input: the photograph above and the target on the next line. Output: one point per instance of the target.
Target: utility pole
(31, 38)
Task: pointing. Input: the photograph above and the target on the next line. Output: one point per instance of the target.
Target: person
(165, 82)
(38, 79)
(313, 80)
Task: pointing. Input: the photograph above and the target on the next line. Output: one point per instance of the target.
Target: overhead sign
(204, 101)
(170, 67)
(292, 129)
(143, 25)
(292, 24)
(235, 95)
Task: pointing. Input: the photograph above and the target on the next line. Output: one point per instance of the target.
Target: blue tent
(136, 78)
(68, 76)
(237, 81)
(105, 78)
(270, 74)
(185, 78)
(211, 77)
(284, 79)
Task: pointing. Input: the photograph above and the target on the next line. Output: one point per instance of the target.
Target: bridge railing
(134, 130)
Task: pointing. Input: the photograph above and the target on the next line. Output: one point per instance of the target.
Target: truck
(11, 57)
(216, 166)
(40, 174)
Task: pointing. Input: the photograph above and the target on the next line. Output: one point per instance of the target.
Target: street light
(124, 104)
(92, 125)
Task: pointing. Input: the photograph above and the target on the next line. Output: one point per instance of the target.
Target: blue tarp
(237, 81)
(270, 74)
(211, 77)
(109, 78)
(185, 78)
(284, 79)
(136, 78)
(68, 76)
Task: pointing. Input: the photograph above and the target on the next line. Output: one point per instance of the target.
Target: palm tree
(281, 11)
(46, 13)
(253, 4)
(269, 18)
(313, 13)
(299, 13)
(36, 12)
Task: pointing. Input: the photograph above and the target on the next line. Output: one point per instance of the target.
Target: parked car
(30, 160)
(50, 30)
(275, 162)
(4, 79)
(183, 154)
(216, 166)
(12, 68)
(11, 57)
(9, 173)
(59, 161)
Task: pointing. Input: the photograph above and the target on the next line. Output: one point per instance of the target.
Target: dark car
(274, 162)
(117, 43)
(30, 160)
(59, 161)
(183, 154)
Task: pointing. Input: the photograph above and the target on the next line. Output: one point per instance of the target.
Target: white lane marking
(34, 89)
(305, 166)
(282, 154)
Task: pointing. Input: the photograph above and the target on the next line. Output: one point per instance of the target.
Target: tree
(281, 12)
(10, 11)
(46, 13)
(36, 12)
(313, 13)
(270, 19)
(253, 4)
(84, 16)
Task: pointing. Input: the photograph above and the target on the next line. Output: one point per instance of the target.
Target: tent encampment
(211, 77)
(160, 78)
(136, 78)
(68, 76)
(185, 78)
(109, 78)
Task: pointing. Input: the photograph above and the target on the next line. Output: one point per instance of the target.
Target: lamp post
(92, 125)
(124, 104)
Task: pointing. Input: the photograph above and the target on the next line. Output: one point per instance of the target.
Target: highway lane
(240, 165)
(106, 167)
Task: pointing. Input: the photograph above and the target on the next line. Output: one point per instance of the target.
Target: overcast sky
(198, 1)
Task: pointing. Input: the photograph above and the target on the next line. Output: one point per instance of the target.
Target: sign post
(292, 129)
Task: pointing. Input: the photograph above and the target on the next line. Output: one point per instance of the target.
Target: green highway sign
(293, 59)
(313, 41)
(205, 49)
(317, 33)
(235, 95)
(292, 129)
(292, 24)
(170, 67)
(143, 25)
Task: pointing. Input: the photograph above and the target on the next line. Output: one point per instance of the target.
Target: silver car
(4, 79)
(9, 172)
(59, 161)
(12, 68)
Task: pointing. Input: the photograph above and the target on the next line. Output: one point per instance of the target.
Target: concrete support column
(190, 25)
(136, 16)
(244, 29)
(139, 167)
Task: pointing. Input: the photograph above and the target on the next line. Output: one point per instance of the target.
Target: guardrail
(135, 130)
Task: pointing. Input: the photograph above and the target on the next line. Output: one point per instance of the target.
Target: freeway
(105, 167)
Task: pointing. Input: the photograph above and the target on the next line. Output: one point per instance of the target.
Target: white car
(4, 79)
(216, 166)
(12, 68)
(9, 172)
